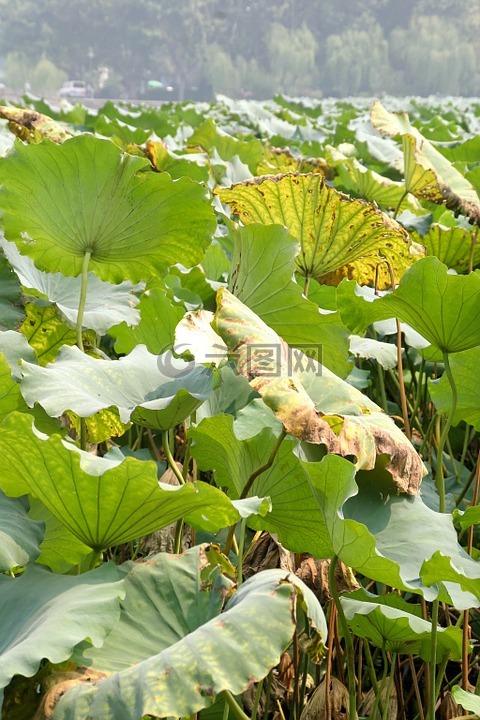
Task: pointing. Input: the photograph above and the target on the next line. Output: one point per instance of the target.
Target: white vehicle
(75, 89)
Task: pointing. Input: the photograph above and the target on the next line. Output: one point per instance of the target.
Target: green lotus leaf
(20, 536)
(120, 131)
(384, 353)
(11, 301)
(333, 229)
(420, 179)
(46, 615)
(215, 264)
(102, 502)
(389, 623)
(233, 393)
(194, 165)
(443, 308)
(106, 304)
(189, 643)
(444, 567)
(210, 137)
(464, 367)
(453, 247)
(190, 288)
(391, 539)
(85, 196)
(10, 396)
(469, 701)
(14, 346)
(263, 265)
(60, 549)
(194, 334)
(467, 518)
(294, 516)
(428, 173)
(313, 404)
(46, 332)
(354, 177)
(156, 329)
(157, 390)
(359, 307)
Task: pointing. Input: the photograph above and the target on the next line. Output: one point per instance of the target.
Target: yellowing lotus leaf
(428, 174)
(333, 229)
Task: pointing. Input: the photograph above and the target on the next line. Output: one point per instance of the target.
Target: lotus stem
(306, 286)
(378, 692)
(170, 459)
(466, 617)
(352, 691)
(443, 437)
(433, 660)
(399, 204)
(263, 468)
(389, 687)
(256, 702)
(83, 299)
(235, 709)
(241, 547)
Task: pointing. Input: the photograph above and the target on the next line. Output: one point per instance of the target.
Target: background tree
(247, 47)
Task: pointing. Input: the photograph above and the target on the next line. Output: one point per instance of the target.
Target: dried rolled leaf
(315, 709)
(312, 403)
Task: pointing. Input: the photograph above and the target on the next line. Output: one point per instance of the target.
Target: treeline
(243, 48)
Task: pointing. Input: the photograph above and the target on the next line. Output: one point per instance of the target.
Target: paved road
(92, 103)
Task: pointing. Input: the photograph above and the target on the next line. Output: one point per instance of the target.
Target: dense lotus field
(239, 405)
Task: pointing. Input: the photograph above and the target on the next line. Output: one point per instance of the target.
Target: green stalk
(389, 687)
(248, 485)
(268, 692)
(306, 286)
(226, 711)
(235, 709)
(381, 383)
(418, 395)
(256, 702)
(352, 691)
(433, 661)
(380, 688)
(241, 547)
(83, 299)
(78, 332)
(399, 205)
(170, 459)
(177, 546)
(440, 480)
(263, 468)
(401, 382)
(96, 556)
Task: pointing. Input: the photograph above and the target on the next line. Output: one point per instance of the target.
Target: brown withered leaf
(57, 686)
(314, 574)
(32, 126)
(264, 554)
(368, 701)
(312, 403)
(449, 708)
(315, 709)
